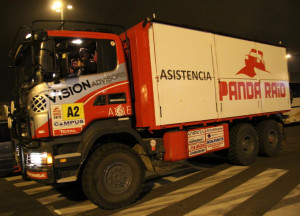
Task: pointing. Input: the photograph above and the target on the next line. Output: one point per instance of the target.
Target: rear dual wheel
(243, 144)
(246, 141)
(270, 137)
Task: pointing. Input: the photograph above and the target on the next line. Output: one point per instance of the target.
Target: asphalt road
(206, 186)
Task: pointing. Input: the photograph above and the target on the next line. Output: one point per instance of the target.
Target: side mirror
(62, 46)
(40, 35)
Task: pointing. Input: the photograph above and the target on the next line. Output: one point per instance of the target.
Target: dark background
(271, 21)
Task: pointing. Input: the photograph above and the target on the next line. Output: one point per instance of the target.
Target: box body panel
(184, 76)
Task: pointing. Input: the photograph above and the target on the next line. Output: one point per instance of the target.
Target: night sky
(262, 20)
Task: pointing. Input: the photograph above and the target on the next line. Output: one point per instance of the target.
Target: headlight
(38, 159)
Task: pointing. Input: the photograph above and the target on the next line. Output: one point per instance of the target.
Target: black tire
(243, 144)
(113, 176)
(270, 138)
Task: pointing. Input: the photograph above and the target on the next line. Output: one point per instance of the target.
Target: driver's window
(106, 55)
(82, 57)
(87, 56)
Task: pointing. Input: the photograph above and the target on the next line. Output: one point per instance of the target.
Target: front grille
(39, 103)
(27, 158)
(25, 128)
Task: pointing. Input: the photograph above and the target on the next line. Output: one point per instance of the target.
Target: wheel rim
(117, 177)
(273, 138)
(248, 145)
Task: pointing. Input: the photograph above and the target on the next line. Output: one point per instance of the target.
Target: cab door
(95, 85)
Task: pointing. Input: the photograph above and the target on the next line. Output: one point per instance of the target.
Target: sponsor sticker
(215, 143)
(119, 111)
(67, 131)
(57, 112)
(205, 139)
(153, 145)
(73, 111)
(67, 118)
(37, 175)
(197, 149)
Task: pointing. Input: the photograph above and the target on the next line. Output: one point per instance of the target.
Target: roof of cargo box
(147, 20)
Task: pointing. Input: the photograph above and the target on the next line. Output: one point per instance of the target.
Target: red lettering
(274, 90)
(232, 90)
(241, 88)
(282, 90)
(250, 91)
(267, 90)
(223, 89)
(257, 90)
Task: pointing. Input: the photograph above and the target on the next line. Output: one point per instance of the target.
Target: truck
(293, 116)
(8, 149)
(104, 108)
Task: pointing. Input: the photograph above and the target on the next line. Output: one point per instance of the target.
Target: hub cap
(273, 138)
(117, 177)
(247, 144)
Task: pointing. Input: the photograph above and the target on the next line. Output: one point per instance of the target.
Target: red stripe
(204, 123)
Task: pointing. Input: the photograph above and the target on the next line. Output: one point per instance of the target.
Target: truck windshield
(64, 57)
(34, 63)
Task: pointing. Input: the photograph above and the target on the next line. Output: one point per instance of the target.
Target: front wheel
(113, 176)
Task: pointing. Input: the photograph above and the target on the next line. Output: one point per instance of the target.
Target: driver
(87, 64)
(74, 67)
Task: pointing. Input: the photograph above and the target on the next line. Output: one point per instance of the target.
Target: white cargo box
(203, 76)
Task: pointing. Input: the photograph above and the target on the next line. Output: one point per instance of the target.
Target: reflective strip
(51, 199)
(77, 154)
(238, 195)
(158, 203)
(68, 179)
(13, 178)
(26, 183)
(75, 209)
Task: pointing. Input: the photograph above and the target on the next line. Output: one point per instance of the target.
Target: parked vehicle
(293, 116)
(8, 162)
(102, 108)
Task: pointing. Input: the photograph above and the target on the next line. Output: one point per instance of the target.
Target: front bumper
(64, 164)
(45, 175)
(37, 171)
